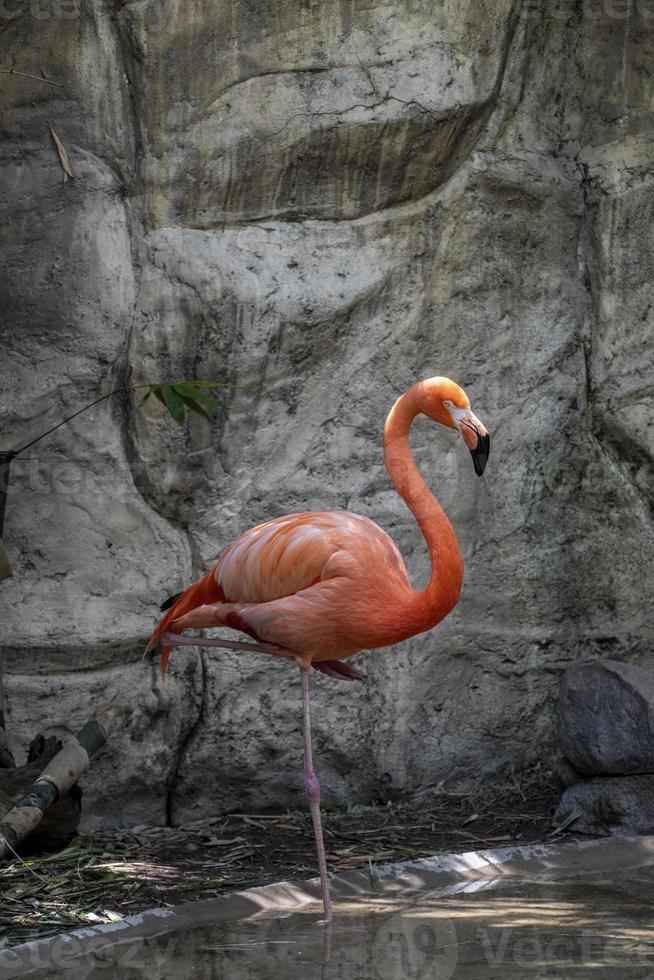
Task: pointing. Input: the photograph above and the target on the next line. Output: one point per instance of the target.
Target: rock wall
(319, 203)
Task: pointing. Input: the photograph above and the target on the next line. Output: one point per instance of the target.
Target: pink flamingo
(317, 587)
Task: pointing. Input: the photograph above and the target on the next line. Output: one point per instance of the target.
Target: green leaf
(185, 389)
(193, 405)
(177, 396)
(173, 403)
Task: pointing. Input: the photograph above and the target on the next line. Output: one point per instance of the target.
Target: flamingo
(317, 587)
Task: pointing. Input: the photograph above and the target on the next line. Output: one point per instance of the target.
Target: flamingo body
(321, 585)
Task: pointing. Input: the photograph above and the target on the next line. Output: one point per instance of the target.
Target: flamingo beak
(480, 454)
(476, 438)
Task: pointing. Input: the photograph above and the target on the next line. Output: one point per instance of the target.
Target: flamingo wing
(289, 554)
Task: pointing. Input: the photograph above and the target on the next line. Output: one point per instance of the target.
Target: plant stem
(97, 401)
(8, 456)
(24, 74)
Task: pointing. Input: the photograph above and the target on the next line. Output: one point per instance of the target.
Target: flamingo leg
(313, 792)
(310, 779)
(181, 640)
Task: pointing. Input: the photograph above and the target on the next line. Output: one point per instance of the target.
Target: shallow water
(597, 925)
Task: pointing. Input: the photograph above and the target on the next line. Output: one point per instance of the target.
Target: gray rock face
(606, 718)
(319, 203)
(610, 806)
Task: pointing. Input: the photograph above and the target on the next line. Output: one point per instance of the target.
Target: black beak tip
(480, 454)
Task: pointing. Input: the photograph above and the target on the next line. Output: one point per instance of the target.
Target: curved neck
(442, 590)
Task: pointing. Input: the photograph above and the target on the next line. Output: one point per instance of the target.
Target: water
(550, 922)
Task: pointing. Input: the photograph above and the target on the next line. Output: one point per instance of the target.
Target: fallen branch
(61, 820)
(59, 775)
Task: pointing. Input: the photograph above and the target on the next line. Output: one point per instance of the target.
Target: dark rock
(7, 760)
(609, 806)
(606, 718)
(565, 773)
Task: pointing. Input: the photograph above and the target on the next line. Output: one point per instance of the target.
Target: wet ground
(567, 911)
(105, 877)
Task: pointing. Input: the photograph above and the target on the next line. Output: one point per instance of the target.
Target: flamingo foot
(339, 670)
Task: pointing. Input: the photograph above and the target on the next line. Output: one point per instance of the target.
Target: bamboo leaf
(186, 390)
(209, 403)
(195, 407)
(173, 403)
(111, 915)
(64, 159)
(157, 392)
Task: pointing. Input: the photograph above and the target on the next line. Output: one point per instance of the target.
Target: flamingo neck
(442, 591)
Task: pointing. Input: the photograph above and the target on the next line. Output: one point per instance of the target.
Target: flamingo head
(446, 402)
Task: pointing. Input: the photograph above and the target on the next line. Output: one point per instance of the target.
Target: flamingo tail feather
(206, 590)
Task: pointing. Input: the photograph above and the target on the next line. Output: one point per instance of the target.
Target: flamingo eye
(447, 403)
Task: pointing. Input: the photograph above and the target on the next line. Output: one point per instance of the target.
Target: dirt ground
(104, 877)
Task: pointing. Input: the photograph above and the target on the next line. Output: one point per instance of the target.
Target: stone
(609, 806)
(318, 204)
(564, 773)
(606, 718)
